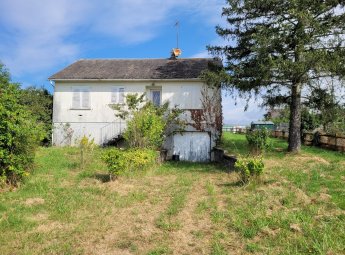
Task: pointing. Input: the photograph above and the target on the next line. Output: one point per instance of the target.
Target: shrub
(145, 129)
(258, 139)
(147, 124)
(249, 167)
(121, 162)
(39, 102)
(19, 133)
(86, 145)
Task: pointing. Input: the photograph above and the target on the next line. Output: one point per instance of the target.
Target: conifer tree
(279, 47)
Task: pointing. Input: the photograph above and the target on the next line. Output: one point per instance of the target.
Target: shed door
(192, 146)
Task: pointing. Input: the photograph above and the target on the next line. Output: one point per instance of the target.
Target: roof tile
(185, 68)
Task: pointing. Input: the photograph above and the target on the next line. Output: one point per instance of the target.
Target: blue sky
(40, 37)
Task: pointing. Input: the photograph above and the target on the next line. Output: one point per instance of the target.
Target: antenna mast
(176, 51)
(177, 25)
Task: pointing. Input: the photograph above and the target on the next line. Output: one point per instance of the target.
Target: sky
(40, 37)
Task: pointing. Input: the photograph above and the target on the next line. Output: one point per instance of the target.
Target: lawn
(178, 208)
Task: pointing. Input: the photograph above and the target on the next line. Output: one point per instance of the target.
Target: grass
(179, 207)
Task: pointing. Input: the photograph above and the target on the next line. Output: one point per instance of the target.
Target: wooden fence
(327, 141)
(331, 142)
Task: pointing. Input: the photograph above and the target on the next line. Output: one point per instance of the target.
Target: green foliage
(145, 129)
(19, 132)
(39, 102)
(310, 119)
(133, 103)
(280, 47)
(330, 119)
(86, 146)
(338, 125)
(249, 167)
(147, 124)
(258, 139)
(121, 162)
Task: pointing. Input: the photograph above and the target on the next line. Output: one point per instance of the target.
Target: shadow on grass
(73, 165)
(239, 183)
(102, 177)
(182, 166)
(232, 184)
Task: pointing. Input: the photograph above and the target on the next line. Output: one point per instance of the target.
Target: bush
(19, 133)
(121, 162)
(249, 167)
(39, 102)
(258, 139)
(147, 124)
(145, 129)
(86, 145)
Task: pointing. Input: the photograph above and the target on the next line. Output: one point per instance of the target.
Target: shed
(262, 124)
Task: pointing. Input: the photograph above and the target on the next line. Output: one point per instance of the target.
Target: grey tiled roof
(184, 68)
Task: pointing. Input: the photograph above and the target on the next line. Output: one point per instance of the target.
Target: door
(193, 146)
(156, 96)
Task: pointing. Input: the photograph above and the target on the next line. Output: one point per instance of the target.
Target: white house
(85, 89)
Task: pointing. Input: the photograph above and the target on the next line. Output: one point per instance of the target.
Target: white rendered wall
(94, 122)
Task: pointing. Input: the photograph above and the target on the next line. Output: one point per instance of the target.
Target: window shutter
(85, 104)
(121, 95)
(117, 95)
(114, 96)
(76, 99)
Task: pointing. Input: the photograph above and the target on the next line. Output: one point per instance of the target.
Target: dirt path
(185, 240)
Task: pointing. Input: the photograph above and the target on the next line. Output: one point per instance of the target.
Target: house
(84, 91)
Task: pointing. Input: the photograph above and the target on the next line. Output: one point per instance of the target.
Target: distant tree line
(25, 123)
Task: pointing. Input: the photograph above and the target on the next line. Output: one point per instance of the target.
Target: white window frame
(83, 93)
(117, 95)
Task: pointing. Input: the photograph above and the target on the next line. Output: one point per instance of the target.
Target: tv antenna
(177, 25)
(176, 51)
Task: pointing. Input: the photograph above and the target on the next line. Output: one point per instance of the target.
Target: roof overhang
(123, 80)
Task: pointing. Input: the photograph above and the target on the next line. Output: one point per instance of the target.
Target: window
(156, 97)
(118, 95)
(81, 98)
(121, 95)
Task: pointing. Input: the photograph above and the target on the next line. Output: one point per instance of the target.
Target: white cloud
(135, 21)
(235, 114)
(38, 34)
(202, 54)
(38, 30)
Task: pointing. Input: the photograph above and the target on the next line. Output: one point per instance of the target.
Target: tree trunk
(295, 119)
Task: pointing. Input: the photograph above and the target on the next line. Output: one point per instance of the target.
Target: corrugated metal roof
(184, 68)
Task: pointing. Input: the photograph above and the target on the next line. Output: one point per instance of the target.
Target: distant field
(178, 208)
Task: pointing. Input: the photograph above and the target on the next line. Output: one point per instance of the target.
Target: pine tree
(279, 47)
